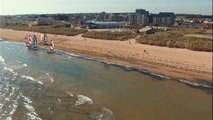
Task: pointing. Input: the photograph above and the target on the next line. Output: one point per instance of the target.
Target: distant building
(101, 25)
(44, 19)
(102, 16)
(111, 17)
(154, 19)
(167, 18)
(163, 18)
(132, 18)
(142, 16)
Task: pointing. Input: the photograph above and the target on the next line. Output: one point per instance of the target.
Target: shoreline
(106, 50)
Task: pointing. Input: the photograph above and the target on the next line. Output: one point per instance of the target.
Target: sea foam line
(51, 78)
(32, 79)
(18, 66)
(11, 70)
(194, 84)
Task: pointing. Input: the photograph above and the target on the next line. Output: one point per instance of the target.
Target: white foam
(59, 100)
(14, 107)
(105, 114)
(88, 58)
(82, 100)
(106, 62)
(51, 78)
(25, 65)
(74, 55)
(11, 70)
(69, 93)
(158, 75)
(13, 104)
(32, 79)
(194, 84)
(2, 59)
(104, 109)
(8, 118)
(32, 115)
(18, 66)
(143, 71)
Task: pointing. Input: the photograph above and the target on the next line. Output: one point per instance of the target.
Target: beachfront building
(101, 25)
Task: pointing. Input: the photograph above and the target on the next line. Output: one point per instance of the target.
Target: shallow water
(65, 86)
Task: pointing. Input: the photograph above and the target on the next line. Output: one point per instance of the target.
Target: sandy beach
(173, 62)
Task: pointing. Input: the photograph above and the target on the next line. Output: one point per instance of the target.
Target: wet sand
(173, 62)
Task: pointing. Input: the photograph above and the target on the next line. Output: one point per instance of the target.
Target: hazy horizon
(20, 7)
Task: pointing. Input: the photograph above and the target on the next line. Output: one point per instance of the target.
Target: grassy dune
(59, 30)
(175, 39)
(108, 35)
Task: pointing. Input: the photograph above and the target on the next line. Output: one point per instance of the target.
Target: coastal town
(104, 20)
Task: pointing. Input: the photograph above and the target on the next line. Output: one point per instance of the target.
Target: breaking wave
(2, 60)
(82, 100)
(105, 114)
(32, 79)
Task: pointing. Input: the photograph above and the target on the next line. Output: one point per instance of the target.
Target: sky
(13, 7)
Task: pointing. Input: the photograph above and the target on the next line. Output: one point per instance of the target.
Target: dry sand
(174, 62)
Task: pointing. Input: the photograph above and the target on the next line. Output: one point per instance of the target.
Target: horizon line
(96, 13)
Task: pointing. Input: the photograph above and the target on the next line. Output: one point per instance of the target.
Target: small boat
(51, 51)
(34, 45)
(34, 48)
(44, 39)
(28, 45)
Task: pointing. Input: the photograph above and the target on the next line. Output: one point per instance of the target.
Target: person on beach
(52, 45)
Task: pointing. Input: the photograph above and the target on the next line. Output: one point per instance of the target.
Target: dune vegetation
(175, 38)
(109, 35)
(52, 29)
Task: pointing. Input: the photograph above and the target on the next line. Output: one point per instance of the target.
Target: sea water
(35, 85)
